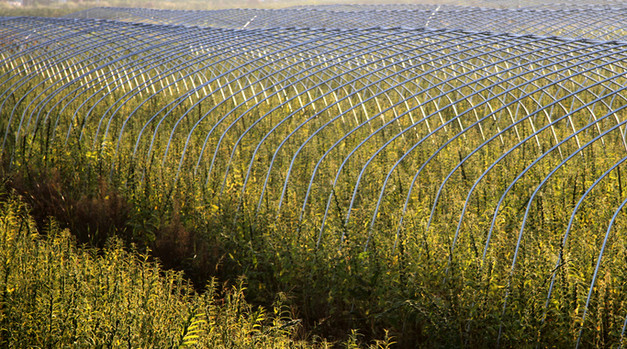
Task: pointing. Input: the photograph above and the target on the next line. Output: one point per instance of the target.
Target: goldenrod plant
(421, 173)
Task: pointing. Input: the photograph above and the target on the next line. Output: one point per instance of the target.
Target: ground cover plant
(57, 294)
(54, 293)
(455, 186)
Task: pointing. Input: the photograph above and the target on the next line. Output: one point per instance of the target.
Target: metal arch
(164, 75)
(622, 334)
(523, 172)
(183, 97)
(407, 129)
(563, 162)
(277, 83)
(575, 22)
(13, 24)
(98, 79)
(19, 54)
(138, 68)
(571, 95)
(323, 82)
(547, 177)
(509, 90)
(242, 89)
(137, 90)
(93, 82)
(275, 108)
(145, 86)
(180, 51)
(55, 92)
(596, 270)
(378, 72)
(409, 194)
(22, 82)
(540, 77)
(67, 36)
(501, 77)
(119, 83)
(352, 107)
(342, 86)
(568, 228)
(243, 103)
(277, 92)
(507, 153)
(356, 92)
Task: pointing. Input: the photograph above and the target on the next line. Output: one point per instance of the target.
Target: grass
(409, 280)
(54, 293)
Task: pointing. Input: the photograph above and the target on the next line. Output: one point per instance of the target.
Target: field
(450, 174)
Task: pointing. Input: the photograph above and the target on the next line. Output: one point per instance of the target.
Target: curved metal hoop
(360, 136)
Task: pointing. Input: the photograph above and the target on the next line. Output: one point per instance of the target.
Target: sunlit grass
(54, 293)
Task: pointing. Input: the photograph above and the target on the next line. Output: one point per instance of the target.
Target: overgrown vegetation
(442, 278)
(54, 293)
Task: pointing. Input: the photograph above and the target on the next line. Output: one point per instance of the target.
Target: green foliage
(409, 282)
(55, 294)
